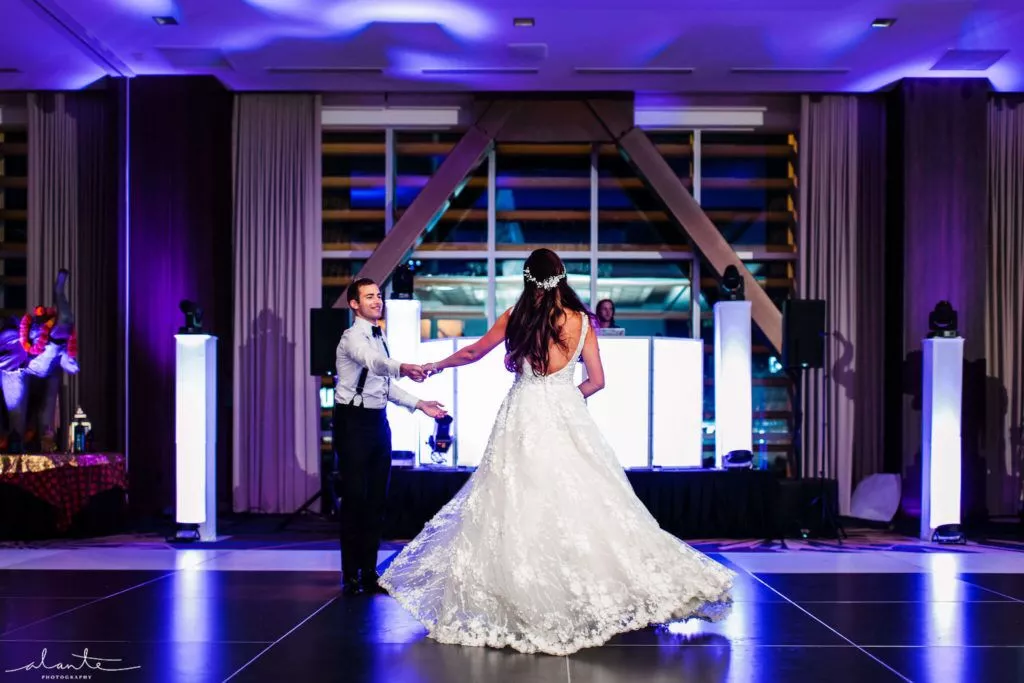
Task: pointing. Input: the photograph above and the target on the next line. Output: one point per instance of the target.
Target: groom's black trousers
(362, 442)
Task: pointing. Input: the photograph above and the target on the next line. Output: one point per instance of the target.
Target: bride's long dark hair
(534, 322)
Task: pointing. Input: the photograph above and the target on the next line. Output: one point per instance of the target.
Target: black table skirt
(687, 503)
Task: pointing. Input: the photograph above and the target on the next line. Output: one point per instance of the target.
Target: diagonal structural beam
(641, 152)
(433, 200)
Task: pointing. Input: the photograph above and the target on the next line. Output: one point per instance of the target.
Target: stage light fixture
(402, 284)
(942, 322)
(947, 534)
(441, 440)
(193, 317)
(732, 285)
(738, 460)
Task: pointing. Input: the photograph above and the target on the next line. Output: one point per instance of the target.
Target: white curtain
(72, 221)
(1004, 306)
(277, 253)
(831, 267)
(53, 211)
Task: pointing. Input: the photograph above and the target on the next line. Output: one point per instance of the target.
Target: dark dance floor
(273, 615)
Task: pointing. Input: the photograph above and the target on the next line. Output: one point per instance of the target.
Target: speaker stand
(829, 518)
(327, 493)
(829, 521)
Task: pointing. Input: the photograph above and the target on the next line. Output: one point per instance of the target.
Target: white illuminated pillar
(403, 335)
(733, 400)
(196, 432)
(678, 402)
(940, 443)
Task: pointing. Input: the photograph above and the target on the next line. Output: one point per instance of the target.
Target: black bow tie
(376, 331)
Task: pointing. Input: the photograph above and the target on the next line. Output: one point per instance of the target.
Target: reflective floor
(161, 614)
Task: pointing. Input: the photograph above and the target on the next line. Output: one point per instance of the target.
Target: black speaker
(803, 333)
(325, 328)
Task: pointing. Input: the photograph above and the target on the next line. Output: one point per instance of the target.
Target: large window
(542, 197)
(464, 225)
(587, 203)
(354, 190)
(13, 218)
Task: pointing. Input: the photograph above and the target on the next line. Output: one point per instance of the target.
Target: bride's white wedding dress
(546, 548)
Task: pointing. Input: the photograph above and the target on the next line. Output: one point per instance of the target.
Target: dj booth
(651, 410)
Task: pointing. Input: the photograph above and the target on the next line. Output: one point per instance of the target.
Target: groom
(362, 435)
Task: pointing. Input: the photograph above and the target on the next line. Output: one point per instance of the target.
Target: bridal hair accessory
(549, 283)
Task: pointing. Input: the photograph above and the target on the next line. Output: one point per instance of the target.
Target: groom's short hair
(353, 289)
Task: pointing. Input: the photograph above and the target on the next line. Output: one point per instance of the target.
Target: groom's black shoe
(351, 587)
(370, 586)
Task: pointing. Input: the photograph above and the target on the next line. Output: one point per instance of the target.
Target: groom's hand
(432, 409)
(413, 372)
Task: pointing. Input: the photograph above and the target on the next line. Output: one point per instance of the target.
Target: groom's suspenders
(362, 379)
(359, 387)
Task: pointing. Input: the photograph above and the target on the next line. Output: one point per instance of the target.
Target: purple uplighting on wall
(945, 149)
(180, 199)
(945, 242)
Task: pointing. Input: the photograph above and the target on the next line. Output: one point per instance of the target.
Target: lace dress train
(546, 548)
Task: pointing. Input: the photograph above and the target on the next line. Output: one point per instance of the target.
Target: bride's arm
(476, 351)
(595, 371)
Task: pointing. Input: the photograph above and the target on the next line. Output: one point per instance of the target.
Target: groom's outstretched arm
(364, 353)
(397, 394)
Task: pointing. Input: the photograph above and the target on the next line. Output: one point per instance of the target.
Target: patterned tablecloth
(66, 482)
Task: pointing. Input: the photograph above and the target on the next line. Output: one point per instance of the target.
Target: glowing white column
(196, 432)
(678, 402)
(940, 442)
(403, 334)
(733, 400)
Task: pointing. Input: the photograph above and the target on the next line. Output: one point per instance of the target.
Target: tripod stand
(327, 494)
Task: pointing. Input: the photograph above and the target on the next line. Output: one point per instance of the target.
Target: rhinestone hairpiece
(549, 283)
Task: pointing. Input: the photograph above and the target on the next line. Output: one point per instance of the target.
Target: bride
(546, 548)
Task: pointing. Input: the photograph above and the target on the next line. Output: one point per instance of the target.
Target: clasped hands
(418, 373)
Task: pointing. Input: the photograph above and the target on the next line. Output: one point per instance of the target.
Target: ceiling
(467, 45)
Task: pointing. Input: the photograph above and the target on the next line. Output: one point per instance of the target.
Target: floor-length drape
(869, 346)
(1004, 306)
(72, 224)
(839, 249)
(277, 252)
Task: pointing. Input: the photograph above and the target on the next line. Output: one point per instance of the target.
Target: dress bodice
(564, 375)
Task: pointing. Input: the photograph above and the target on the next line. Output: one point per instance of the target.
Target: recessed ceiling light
(165, 21)
(523, 22)
(882, 23)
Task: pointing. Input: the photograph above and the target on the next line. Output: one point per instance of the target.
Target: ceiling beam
(90, 46)
(433, 200)
(652, 167)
